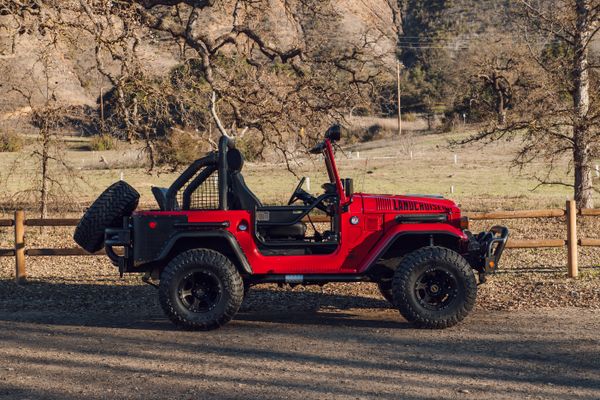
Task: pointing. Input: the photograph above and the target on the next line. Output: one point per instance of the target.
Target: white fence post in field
(455, 159)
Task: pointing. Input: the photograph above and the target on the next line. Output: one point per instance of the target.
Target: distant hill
(78, 84)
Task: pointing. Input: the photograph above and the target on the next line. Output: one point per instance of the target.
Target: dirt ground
(78, 331)
(297, 345)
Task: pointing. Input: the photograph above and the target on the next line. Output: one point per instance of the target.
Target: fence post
(572, 238)
(20, 273)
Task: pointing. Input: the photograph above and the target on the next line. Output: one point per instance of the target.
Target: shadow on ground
(40, 301)
(69, 341)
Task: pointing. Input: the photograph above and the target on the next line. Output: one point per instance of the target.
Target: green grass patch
(103, 143)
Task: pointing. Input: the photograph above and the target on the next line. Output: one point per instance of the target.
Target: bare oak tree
(557, 119)
(52, 176)
(268, 76)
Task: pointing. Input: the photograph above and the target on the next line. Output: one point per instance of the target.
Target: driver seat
(240, 195)
(242, 198)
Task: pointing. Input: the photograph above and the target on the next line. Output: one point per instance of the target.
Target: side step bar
(313, 279)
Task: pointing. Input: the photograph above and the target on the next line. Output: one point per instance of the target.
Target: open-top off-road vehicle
(212, 239)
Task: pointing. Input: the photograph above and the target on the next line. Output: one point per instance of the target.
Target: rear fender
(158, 238)
(222, 241)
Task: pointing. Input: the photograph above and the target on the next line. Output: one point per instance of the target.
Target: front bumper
(485, 248)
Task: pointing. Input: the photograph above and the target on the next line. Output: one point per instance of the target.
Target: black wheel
(434, 287)
(385, 288)
(116, 202)
(200, 290)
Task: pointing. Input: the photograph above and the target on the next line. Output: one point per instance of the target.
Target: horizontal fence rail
(521, 214)
(571, 242)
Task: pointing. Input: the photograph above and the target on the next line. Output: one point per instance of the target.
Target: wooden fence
(19, 252)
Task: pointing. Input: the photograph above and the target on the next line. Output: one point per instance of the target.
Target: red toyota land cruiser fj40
(212, 239)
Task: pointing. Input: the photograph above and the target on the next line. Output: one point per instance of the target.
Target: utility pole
(399, 99)
(102, 111)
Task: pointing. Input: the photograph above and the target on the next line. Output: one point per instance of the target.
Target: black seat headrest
(235, 160)
(160, 194)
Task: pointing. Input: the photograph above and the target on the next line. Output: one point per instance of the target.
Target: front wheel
(200, 290)
(434, 287)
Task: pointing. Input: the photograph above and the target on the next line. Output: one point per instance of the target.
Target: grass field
(482, 177)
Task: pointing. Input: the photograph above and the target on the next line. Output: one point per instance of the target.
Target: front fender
(396, 235)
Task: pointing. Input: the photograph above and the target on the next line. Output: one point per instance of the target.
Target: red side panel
(362, 239)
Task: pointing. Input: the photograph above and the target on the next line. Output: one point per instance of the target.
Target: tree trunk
(581, 105)
(583, 175)
(44, 195)
(500, 109)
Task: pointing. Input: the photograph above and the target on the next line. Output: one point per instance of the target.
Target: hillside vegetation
(169, 78)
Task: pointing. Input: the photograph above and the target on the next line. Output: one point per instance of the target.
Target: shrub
(373, 132)
(409, 117)
(180, 148)
(251, 147)
(10, 142)
(103, 143)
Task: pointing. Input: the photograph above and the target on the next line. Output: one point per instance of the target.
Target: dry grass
(482, 178)
(409, 123)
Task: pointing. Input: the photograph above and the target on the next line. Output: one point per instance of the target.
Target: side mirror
(334, 133)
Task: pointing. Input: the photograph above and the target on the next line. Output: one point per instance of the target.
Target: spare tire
(116, 202)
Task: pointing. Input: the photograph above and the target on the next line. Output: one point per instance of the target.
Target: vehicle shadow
(137, 307)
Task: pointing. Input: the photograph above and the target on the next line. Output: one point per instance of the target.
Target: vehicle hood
(385, 203)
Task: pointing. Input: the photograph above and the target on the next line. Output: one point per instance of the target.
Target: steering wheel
(298, 192)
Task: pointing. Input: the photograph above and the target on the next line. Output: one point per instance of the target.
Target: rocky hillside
(75, 81)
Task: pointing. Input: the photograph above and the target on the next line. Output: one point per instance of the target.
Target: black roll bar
(214, 160)
(210, 159)
(191, 188)
(225, 144)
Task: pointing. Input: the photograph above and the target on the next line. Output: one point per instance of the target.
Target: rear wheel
(201, 290)
(434, 287)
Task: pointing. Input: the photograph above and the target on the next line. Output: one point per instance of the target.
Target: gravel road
(277, 349)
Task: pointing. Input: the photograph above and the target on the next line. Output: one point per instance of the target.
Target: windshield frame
(332, 171)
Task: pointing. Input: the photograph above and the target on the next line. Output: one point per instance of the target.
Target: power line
(433, 47)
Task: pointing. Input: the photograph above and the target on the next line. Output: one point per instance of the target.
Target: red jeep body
(210, 207)
(368, 228)
(360, 243)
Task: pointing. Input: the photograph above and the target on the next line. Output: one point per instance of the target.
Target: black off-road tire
(385, 288)
(116, 202)
(436, 261)
(207, 263)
